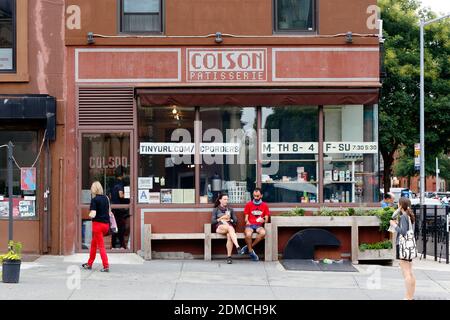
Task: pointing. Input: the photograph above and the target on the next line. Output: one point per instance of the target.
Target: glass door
(105, 157)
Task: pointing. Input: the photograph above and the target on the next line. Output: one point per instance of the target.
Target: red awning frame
(256, 97)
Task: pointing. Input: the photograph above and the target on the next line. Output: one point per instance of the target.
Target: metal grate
(105, 106)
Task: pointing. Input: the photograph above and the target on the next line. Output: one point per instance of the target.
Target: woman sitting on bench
(224, 219)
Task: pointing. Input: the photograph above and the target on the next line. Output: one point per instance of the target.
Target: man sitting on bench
(256, 213)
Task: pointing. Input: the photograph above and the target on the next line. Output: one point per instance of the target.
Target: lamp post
(422, 108)
(10, 191)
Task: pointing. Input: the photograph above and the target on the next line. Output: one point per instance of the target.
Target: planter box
(325, 221)
(383, 254)
(354, 222)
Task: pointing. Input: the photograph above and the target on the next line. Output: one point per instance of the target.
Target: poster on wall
(28, 179)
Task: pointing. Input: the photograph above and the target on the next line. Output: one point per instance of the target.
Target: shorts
(254, 227)
(397, 254)
(219, 224)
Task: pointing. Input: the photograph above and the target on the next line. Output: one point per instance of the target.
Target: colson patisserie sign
(226, 65)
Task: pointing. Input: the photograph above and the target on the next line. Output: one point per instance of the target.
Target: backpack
(407, 244)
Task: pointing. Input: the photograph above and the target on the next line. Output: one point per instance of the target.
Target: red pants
(99, 229)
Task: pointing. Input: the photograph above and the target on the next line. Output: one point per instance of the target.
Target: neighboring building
(31, 116)
(297, 94)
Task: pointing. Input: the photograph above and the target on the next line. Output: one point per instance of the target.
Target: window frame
(121, 14)
(20, 73)
(14, 39)
(295, 31)
(320, 180)
(38, 204)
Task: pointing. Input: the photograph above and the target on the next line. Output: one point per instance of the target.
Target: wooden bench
(207, 236)
(149, 236)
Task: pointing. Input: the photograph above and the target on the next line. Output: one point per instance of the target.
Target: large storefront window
(166, 172)
(25, 153)
(228, 170)
(350, 154)
(289, 153)
(206, 150)
(7, 35)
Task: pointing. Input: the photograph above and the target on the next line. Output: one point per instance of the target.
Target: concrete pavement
(132, 278)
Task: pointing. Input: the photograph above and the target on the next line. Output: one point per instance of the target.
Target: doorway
(106, 157)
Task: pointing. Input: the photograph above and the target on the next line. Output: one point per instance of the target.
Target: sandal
(86, 266)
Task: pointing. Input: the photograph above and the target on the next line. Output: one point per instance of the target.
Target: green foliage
(14, 251)
(404, 166)
(387, 244)
(385, 215)
(399, 101)
(296, 212)
(327, 212)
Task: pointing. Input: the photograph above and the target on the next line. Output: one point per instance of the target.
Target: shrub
(296, 212)
(324, 211)
(387, 244)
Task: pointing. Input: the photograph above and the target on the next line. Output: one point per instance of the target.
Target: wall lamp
(219, 38)
(90, 38)
(349, 37)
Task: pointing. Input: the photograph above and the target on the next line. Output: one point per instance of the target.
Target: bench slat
(239, 235)
(177, 236)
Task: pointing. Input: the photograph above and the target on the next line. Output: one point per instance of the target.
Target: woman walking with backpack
(405, 254)
(99, 212)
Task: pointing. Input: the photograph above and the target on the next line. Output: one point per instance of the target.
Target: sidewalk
(57, 277)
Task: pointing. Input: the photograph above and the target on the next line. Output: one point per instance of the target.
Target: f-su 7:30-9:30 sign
(350, 147)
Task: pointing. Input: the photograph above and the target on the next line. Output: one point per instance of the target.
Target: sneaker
(238, 250)
(229, 260)
(244, 250)
(86, 266)
(104, 270)
(254, 256)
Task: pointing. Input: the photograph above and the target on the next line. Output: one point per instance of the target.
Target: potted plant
(11, 262)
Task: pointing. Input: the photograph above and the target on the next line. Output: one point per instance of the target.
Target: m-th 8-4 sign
(350, 147)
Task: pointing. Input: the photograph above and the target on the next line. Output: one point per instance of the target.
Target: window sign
(26, 209)
(290, 147)
(145, 183)
(144, 196)
(189, 148)
(28, 179)
(6, 59)
(350, 147)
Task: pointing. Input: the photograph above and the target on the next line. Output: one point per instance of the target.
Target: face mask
(257, 201)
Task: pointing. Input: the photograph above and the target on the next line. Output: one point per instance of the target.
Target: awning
(257, 97)
(30, 107)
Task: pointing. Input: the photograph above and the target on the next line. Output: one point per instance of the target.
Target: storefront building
(270, 94)
(31, 99)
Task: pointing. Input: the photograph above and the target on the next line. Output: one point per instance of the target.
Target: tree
(399, 101)
(404, 166)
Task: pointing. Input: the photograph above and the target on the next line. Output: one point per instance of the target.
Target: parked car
(427, 201)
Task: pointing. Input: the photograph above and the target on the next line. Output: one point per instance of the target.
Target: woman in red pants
(99, 212)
